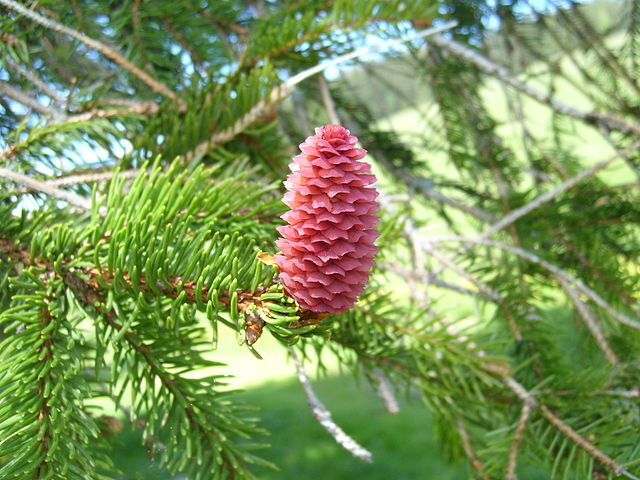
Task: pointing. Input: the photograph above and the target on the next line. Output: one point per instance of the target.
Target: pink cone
(327, 249)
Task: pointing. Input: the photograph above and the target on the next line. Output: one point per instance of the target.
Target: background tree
(144, 148)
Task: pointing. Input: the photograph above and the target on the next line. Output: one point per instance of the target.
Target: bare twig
(39, 186)
(36, 80)
(385, 392)
(26, 100)
(329, 106)
(417, 263)
(107, 51)
(432, 279)
(324, 416)
(621, 317)
(136, 108)
(69, 180)
(483, 287)
(563, 187)
(468, 449)
(517, 439)
(590, 321)
(425, 187)
(492, 68)
(633, 393)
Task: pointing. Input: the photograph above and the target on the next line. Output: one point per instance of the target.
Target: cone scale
(327, 249)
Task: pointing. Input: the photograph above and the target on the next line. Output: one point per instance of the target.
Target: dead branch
(324, 416)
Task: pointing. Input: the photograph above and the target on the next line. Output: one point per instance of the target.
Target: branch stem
(324, 416)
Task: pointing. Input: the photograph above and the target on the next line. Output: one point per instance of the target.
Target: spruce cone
(327, 249)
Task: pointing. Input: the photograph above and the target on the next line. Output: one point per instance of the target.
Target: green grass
(402, 445)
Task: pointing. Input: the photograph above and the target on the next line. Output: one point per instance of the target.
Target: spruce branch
(554, 192)
(324, 416)
(585, 444)
(43, 187)
(46, 429)
(494, 370)
(286, 88)
(90, 287)
(527, 255)
(490, 67)
(482, 287)
(282, 91)
(107, 51)
(529, 399)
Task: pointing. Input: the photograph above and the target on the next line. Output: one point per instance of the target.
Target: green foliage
(48, 430)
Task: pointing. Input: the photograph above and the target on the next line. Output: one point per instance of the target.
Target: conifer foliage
(144, 146)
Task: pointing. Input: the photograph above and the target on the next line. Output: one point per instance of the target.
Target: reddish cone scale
(327, 249)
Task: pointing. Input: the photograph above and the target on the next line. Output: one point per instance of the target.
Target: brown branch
(195, 57)
(135, 21)
(241, 30)
(44, 411)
